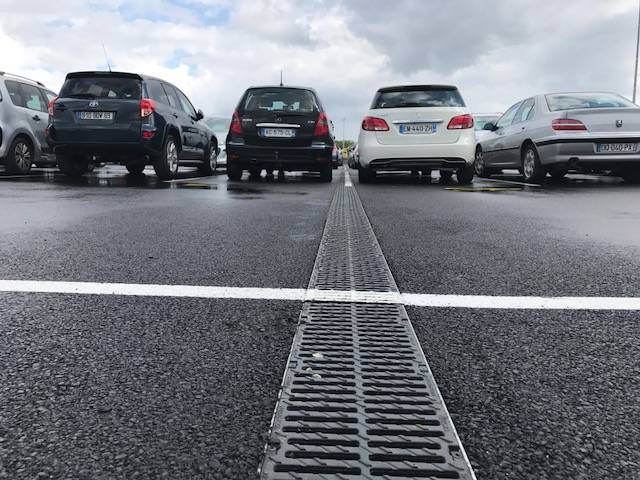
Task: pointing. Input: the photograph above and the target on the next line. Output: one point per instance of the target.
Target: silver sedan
(561, 132)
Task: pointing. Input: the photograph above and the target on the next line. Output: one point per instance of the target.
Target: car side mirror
(199, 115)
(490, 126)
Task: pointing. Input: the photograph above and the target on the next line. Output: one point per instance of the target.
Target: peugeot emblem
(94, 104)
(619, 123)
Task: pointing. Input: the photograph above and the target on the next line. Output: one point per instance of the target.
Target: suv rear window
(406, 97)
(280, 100)
(574, 101)
(102, 87)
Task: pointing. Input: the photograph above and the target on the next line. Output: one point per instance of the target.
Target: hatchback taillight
(568, 124)
(236, 124)
(461, 122)
(374, 124)
(147, 107)
(51, 108)
(322, 126)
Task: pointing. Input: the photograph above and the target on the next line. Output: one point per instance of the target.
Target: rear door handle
(36, 118)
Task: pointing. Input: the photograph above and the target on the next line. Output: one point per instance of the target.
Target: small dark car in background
(131, 119)
(279, 128)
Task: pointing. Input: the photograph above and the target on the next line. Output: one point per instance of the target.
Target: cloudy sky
(496, 51)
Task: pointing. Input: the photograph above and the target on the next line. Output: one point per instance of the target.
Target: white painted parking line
(511, 182)
(338, 296)
(347, 178)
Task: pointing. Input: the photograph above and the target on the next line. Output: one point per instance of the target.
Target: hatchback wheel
(365, 174)
(531, 168)
(465, 175)
(19, 157)
(166, 164)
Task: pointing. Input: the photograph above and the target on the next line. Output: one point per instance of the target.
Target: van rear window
(102, 87)
(407, 97)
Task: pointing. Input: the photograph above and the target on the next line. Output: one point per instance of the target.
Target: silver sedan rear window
(574, 101)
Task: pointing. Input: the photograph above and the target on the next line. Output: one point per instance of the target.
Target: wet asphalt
(97, 387)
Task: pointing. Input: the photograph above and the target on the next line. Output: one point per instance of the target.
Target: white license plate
(418, 128)
(616, 147)
(278, 132)
(95, 115)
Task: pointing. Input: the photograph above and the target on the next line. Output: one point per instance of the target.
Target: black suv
(130, 119)
(279, 128)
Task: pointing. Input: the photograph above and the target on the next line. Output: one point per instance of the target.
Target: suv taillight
(461, 122)
(236, 124)
(51, 108)
(568, 124)
(322, 126)
(374, 124)
(147, 107)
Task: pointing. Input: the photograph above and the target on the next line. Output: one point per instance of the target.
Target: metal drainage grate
(358, 400)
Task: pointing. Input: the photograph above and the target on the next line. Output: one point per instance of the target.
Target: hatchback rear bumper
(313, 157)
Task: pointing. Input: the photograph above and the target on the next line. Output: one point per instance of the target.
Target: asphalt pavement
(97, 387)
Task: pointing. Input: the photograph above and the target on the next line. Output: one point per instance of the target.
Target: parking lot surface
(110, 386)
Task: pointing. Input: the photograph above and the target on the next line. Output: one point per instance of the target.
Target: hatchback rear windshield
(418, 97)
(102, 87)
(574, 101)
(280, 100)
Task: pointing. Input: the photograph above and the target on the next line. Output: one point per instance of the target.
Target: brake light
(236, 124)
(51, 108)
(373, 124)
(461, 122)
(322, 126)
(147, 107)
(568, 124)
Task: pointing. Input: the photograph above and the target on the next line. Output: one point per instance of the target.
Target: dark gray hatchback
(130, 119)
(279, 128)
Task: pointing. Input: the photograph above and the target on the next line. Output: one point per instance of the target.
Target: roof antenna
(281, 84)
(106, 57)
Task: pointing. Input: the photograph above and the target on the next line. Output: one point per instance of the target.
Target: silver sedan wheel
(529, 163)
(22, 154)
(172, 156)
(213, 159)
(479, 163)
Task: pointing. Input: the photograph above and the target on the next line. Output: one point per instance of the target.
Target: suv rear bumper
(312, 157)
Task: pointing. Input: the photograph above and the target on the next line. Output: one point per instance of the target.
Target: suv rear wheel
(71, 165)
(365, 174)
(20, 156)
(326, 174)
(234, 172)
(465, 175)
(166, 164)
(135, 168)
(210, 162)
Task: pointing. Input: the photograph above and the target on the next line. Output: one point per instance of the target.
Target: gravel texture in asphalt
(97, 388)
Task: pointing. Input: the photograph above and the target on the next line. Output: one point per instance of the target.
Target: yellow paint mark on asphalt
(485, 189)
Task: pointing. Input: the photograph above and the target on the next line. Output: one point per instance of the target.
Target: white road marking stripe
(512, 182)
(301, 294)
(347, 178)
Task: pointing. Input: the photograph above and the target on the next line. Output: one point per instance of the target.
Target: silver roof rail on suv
(6, 74)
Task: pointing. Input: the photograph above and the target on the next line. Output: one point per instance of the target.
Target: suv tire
(166, 164)
(210, 161)
(135, 168)
(71, 165)
(326, 174)
(19, 156)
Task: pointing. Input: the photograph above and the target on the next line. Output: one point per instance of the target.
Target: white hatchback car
(417, 128)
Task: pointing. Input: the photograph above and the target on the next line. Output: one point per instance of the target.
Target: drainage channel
(358, 400)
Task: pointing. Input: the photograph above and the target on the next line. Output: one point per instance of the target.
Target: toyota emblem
(94, 104)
